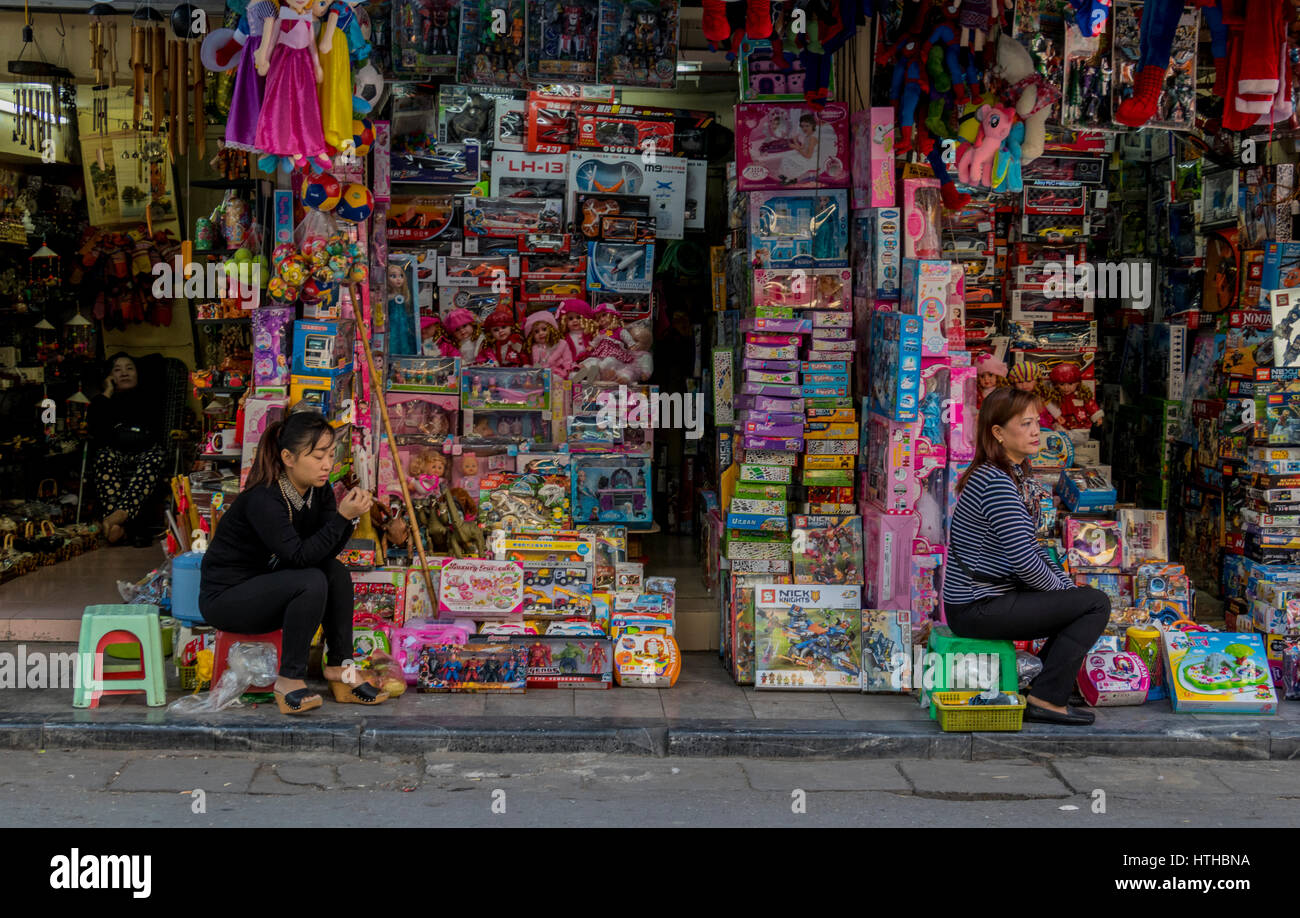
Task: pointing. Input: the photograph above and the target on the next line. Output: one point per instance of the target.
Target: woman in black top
(128, 445)
(272, 564)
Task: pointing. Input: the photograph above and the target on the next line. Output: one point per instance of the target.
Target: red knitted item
(716, 28)
(1137, 110)
(758, 19)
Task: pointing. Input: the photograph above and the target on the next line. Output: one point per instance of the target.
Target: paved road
(123, 788)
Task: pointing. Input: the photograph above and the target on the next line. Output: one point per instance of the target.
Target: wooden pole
(378, 389)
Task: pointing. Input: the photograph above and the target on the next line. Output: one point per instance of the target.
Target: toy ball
(357, 274)
(293, 273)
(356, 204)
(277, 288)
(363, 136)
(321, 192)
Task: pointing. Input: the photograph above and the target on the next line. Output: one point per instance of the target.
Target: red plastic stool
(227, 639)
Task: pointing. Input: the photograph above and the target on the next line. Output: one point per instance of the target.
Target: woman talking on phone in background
(998, 583)
(272, 566)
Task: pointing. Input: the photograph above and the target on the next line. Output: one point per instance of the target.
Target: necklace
(296, 500)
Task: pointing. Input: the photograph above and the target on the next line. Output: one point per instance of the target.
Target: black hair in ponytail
(298, 433)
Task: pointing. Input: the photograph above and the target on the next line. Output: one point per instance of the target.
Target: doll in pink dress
(609, 324)
(546, 347)
(289, 129)
(433, 339)
(502, 345)
(577, 327)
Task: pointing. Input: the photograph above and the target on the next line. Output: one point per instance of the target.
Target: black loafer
(1041, 715)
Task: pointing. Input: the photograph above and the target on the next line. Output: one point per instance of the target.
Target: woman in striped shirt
(998, 584)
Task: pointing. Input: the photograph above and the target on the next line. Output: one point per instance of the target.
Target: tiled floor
(46, 604)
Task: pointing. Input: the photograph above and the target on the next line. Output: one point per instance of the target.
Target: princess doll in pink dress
(289, 129)
(246, 100)
(577, 326)
(547, 349)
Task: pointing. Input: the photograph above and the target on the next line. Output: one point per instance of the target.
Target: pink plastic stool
(227, 639)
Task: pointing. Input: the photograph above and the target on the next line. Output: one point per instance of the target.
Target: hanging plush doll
(240, 49)
(729, 22)
(289, 130)
(337, 22)
(1160, 23)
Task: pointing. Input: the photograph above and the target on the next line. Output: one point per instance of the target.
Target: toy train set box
(1218, 672)
(567, 662)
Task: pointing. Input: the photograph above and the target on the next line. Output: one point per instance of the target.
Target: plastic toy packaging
(808, 637)
(638, 43)
(425, 36)
(487, 54)
(1291, 672)
(799, 230)
(621, 268)
(248, 664)
(506, 388)
(922, 215)
(496, 668)
(625, 129)
(614, 218)
(792, 145)
(439, 375)
(663, 180)
(422, 414)
(479, 589)
(1093, 543)
(562, 40)
(467, 114)
(513, 502)
(647, 660)
(271, 346)
(612, 490)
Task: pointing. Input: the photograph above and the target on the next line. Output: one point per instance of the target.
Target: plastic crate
(190, 678)
(956, 715)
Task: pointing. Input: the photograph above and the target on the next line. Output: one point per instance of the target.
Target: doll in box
(545, 346)
(1071, 404)
(990, 374)
(502, 347)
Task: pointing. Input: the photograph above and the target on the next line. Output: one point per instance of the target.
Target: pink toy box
(881, 163)
(407, 643)
(933, 290)
(1110, 678)
(962, 389)
(891, 482)
(783, 145)
(887, 540)
(922, 210)
(478, 589)
(928, 562)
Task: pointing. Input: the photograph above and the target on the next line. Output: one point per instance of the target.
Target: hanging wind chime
(38, 108)
(103, 60)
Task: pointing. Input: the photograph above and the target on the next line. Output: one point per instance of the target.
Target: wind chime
(185, 74)
(38, 108)
(103, 59)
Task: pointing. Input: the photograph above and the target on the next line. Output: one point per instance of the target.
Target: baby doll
(433, 339)
(547, 349)
(609, 324)
(989, 372)
(502, 347)
(425, 471)
(577, 326)
(464, 333)
(1072, 406)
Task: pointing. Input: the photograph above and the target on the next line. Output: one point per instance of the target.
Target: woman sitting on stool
(272, 563)
(998, 584)
(129, 455)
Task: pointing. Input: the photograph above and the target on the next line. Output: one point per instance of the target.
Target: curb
(823, 739)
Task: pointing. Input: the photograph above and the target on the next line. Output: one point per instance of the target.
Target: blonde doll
(546, 348)
(578, 327)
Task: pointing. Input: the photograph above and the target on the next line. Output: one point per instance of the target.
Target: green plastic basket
(956, 715)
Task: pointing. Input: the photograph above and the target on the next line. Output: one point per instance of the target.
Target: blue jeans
(1159, 22)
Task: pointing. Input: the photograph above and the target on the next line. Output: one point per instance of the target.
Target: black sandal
(362, 693)
(299, 701)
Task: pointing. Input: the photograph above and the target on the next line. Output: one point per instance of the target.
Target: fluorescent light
(688, 67)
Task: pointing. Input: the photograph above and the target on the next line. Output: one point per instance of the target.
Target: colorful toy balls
(356, 204)
(363, 136)
(321, 192)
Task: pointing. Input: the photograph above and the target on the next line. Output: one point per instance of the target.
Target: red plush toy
(719, 29)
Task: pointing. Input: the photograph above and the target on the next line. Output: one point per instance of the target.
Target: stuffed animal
(753, 19)
(975, 165)
(1006, 165)
(1034, 96)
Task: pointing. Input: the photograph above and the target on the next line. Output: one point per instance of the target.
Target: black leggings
(296, 600)
(1071, 620)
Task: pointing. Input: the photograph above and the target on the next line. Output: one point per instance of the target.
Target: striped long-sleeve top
(992, 549)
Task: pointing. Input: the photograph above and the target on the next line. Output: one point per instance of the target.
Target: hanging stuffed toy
(1033, 95)
(975, 165)
(729, 22)
(225, 49)
(289, 131)
(336, 18)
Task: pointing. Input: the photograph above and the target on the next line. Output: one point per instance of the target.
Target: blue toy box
(322, 348)
(799, 229)
(895, 365)
(1281, 267)
(1085, 491)
(612, 489)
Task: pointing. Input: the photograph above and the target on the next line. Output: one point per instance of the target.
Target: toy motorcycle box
(1113, 678)
(647, 660)
(1218, 672)
(489, 667)
(563, 661)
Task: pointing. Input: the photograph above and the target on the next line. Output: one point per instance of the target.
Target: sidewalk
(703, 715)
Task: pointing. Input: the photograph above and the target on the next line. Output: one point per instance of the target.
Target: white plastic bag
(249, 663)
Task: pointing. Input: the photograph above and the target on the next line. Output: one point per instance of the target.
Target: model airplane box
(1218, 672)
(808, 636)
(568, 662)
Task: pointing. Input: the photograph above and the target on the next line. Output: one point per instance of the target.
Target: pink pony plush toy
(975, 165)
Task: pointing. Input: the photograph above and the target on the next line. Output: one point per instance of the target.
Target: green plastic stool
(943, 643)
(102, 626)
